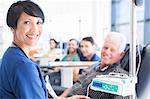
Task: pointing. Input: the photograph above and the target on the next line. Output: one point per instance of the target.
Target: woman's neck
(25, 49)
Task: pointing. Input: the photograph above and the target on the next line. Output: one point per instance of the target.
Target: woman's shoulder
(16, 56)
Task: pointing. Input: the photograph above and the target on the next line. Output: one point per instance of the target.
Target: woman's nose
(34, 28)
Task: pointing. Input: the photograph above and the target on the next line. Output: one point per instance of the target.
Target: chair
(144, 72)
(143, 83)
(54, 79)
(125, 59)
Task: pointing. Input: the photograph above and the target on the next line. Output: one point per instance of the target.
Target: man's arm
(80, 87)
(75, 97)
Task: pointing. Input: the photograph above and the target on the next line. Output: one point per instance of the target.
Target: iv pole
(132, 68)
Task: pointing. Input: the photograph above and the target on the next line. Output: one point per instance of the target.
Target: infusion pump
(114, 83)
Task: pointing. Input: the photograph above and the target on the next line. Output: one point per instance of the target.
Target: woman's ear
(12, 30)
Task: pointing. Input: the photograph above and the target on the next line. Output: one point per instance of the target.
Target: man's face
(86, 48)
(110, 53)
(72, 46)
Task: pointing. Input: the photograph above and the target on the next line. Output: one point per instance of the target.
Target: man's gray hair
(118, 38)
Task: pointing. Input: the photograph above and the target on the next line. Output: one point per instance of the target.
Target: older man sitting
(112, 51)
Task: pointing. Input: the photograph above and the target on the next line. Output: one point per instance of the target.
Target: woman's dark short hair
(90, 39)
(52, 39)
(17, 8)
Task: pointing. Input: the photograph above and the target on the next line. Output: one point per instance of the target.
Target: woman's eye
(27, 22)
(39, 22)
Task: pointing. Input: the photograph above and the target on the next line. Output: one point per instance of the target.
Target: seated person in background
(53, 43)
(112, 51)
(88, 50)
(87, 47)
(54, 53)
(72, 55)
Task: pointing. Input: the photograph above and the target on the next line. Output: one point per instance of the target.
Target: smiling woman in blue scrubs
(20, 77)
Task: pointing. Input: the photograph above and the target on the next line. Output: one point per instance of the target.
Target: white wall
(5, 34)
(65, 19)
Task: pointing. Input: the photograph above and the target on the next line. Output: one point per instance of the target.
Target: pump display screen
(105, 86)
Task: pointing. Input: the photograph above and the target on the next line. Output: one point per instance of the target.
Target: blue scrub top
(20, 78)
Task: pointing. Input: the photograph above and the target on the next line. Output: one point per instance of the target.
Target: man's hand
(78, 97)
(75, 97)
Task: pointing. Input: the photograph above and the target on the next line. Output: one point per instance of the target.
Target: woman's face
(28, 31)
(53, 45)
